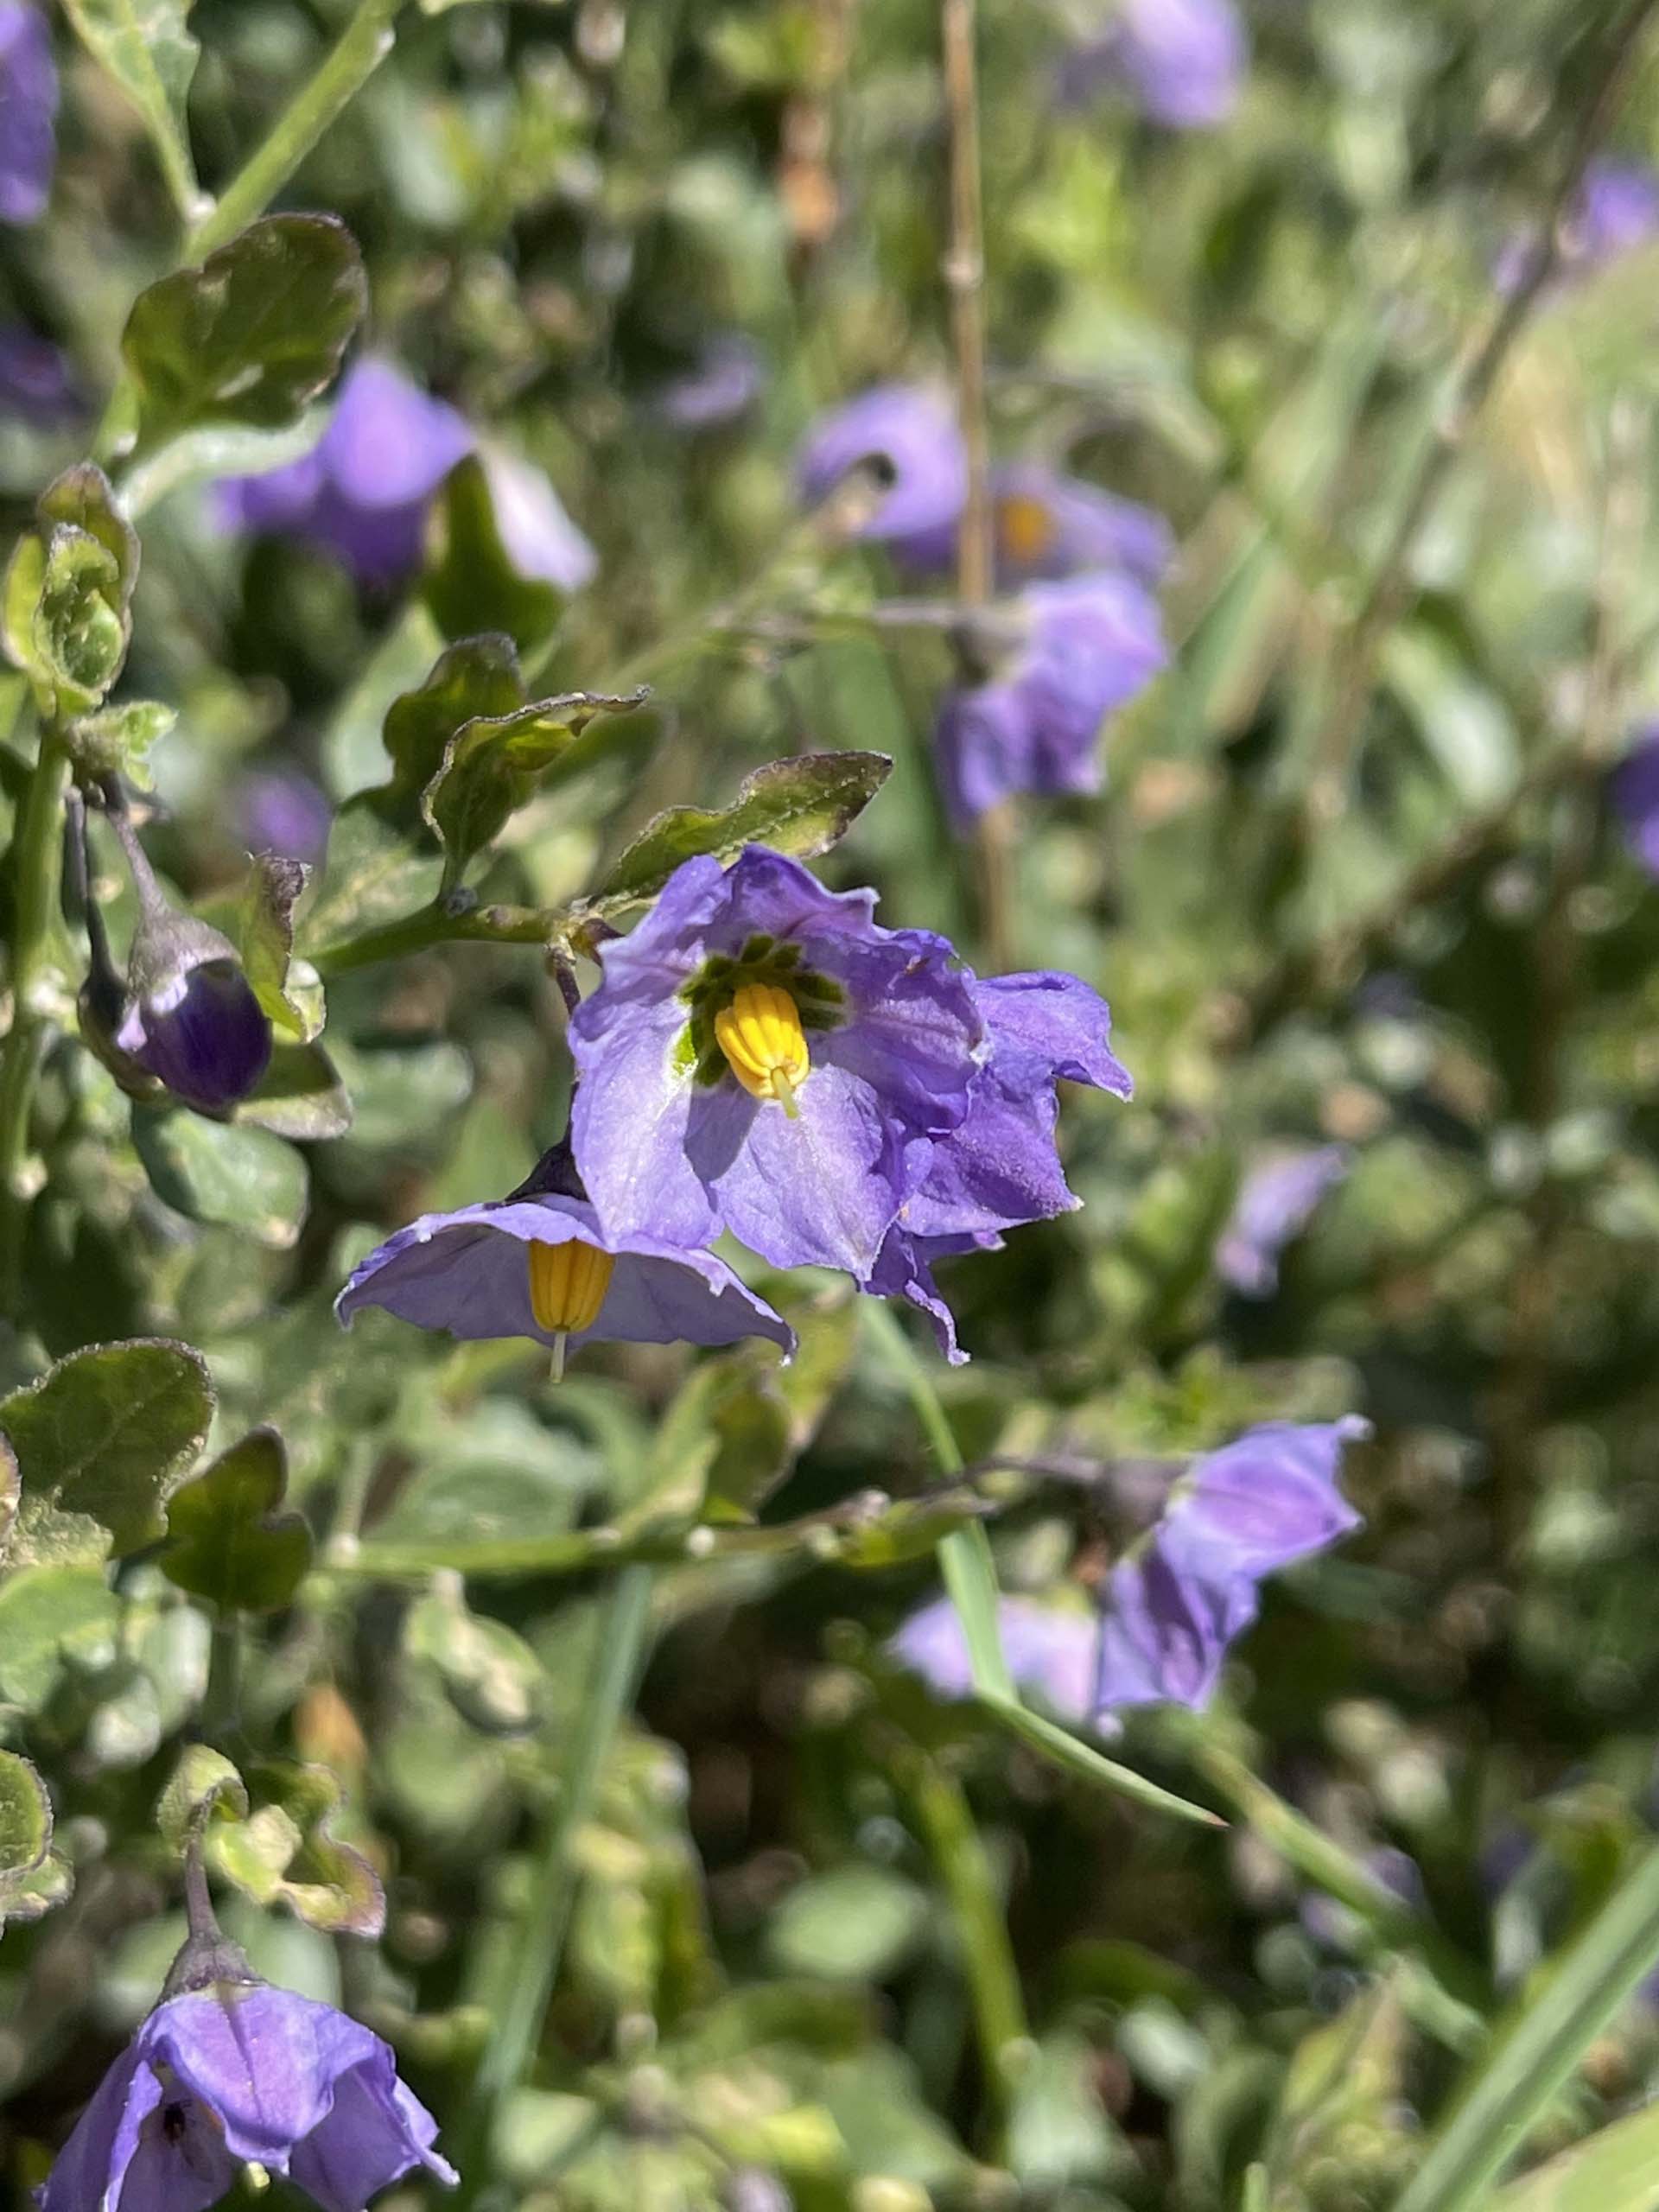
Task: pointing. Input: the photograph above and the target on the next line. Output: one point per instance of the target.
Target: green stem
(36, 853)
(362, 46)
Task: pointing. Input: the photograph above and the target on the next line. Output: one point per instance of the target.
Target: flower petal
(375, 2130)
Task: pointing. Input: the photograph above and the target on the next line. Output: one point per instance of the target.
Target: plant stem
(361, 48)
(36, 853)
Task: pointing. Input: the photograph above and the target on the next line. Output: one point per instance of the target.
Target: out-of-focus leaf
(293, 1000)
(146, 48)
(204, 1786)
(117, 740)
(301, 1097)
(492, 1676)
(50, 1616)
(471, 584)
(108, 1431)
(33, 1878)
(25, 575)
(853, 1923)
(1059, 2133)
(492, 764)
(223, 1172)
(10, 1490)
(476, 677)
(802, 805)
(724, 1437)
(251, 336)
(285, 1853)
(1614, 2169)
(373, 875)
(82, 497)
(226, 1540)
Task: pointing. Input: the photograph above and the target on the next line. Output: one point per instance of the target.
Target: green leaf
(10, 1492)
(83, 497)
(286, 1853)
(854, 1924)
(25, 578)
(32, 1880)
(48, 1616)
(108, 1431)
(251, 336)
(490, 1676)
(478, 675)
(293, 1002)
(801, 805)
(80, 627)
(204, 1786)
(227, 1541)
(471, 584)
(117, 740)
(1534, 2053)
(146, 48)
(223, 1172)
(1615, 2170)
(373, 875)
(301, 1097)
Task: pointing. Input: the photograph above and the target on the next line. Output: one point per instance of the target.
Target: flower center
(765, 1045)
(1025, 529)
(567, 1283)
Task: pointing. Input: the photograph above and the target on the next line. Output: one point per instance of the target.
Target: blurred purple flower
(1617, 210)
(537, 535)
(1635, 787)
(239, 2073)
(37, 384)
(29, 108)
(1335, 1925)
(1000, 1167)
(540, 1266)
(1048, 525)
(1182, 60)
(280, 810)
(910, 434)
(762, 1057)
(1173, 1606)
(723, 383)
(1089, 644)
(1050, 1650)
(1275, 1203)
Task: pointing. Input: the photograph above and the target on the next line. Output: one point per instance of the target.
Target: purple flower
(239, 2073)
(1050, 1649)
(280, 810)
(761, 1057)
(1274, 1206)
(1000, 1167)
(1046, 525)
(29, 108)
(362, 492)
(721, 383)
(1089, 644)
(537, 535)
(191, 1019)
(910, 435)
(540, 1266)
(1617, 210)
(1174, 1605)
(37, 384)
(1634, 785)
(1181, 60)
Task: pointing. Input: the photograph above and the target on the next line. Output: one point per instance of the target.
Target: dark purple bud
(204, 1034)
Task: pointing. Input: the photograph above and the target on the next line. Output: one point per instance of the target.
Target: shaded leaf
(490, 1676)
(371, 875)
(478, 675)
(226, 1540)
(471, 583)
(48, 1616)
(801, 805)
(146, 48)
(108, 1431)
(301, 1097)
(204, 1784)
(25, 575)
(117, 740)
(853, 1923)
(32, 1880)
(251, 336)
(223, 1172)
(286, 1853)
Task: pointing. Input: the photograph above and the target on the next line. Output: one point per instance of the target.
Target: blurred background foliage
(778, 1946)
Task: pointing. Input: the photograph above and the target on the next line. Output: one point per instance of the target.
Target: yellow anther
(765, 1045)
(567, 1283)
(1025, 529)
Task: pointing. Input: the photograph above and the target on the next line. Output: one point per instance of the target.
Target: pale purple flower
(1089, 645)
(29, 108)
(1000, 1167)
(762, 1057)
(37, 384)
(1174, 1605)
(1182, 61)
(723, 382)
(1046, 526)
(1050, 1650)
(1634, 785)
(1274, 1205)
(469, 1272)
(536, 535)
(909, 434)
(1616, 211)
(239, 2073)
(280, 810)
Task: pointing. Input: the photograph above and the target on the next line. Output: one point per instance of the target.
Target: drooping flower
(239, 2073)
(723, 383)
(37, 384)
(281, 810)
(1089, 645)
(1050, 1650)
(1000, 1168)
(1635, 787)
(762, 1057)
(28, 109)
(910, 436)
(1615, 211)
(1046, 526)
(1182, 61)
(538, 1264)
(1173, 1605)
(1274, 1205)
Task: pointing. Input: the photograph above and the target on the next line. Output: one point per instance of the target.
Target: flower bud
(191, 1018)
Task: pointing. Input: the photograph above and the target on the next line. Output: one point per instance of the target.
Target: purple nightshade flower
(1089, 644)
(910, 434)
(239, 2073)
(1616, 211)
(723, 382)
(29, 108)
(537, 535)
(1182, 61)
(1046, 525)
(999, 1167)
(762, 1057)
(37, 384)
(280, 810)
(1174, 1605)
(1634, 787)
(1274, 1205)
(540, 1266)
(1050, 1649)
(363, 491)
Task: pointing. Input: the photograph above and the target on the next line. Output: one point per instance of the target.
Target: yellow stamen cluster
(765, 1045)
(567, 1283)
(1025, 529)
